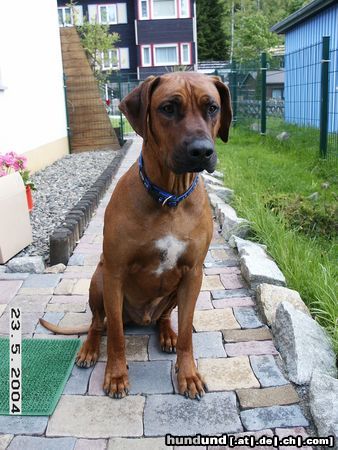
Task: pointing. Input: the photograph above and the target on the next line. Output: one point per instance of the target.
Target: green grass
(260, 168)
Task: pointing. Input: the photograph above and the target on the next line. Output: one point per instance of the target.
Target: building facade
(156, 36)
(304, 31)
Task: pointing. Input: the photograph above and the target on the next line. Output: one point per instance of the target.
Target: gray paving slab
(151, 377)
(41, 443)
(78, 381)
(247, 317)
(41, 280)
(215, 413)
(23, 424)
(273, 417)
(267, 371)
(230, 293)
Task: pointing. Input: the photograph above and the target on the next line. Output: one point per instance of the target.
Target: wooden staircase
(90, 126)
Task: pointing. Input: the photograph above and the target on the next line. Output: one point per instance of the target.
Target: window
(110, 14)
(146, 56)
(277, 94)
(184, 8)
(185, 54)
(144, 13)
(107, 14)
(164, 9)
(165, 55)
(117, 58)
(66, 16)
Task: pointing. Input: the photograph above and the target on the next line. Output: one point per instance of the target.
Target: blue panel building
(304, 31)
(155, 35)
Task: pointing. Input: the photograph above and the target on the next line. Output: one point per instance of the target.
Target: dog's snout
(200, 149)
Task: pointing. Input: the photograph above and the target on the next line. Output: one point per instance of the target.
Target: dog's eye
(212, 109)
(168, 109)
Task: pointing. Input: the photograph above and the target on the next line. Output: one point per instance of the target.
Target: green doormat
(46, 366)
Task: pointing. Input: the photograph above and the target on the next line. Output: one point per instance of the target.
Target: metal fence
(297, 98)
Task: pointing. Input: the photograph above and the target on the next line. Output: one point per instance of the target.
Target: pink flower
(2, 173)
(8, 160)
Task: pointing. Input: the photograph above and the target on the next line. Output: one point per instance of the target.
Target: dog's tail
(82, 329)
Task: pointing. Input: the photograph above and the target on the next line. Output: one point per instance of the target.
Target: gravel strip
(58, 188)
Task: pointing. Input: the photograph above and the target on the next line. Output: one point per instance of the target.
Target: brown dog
(154, 247)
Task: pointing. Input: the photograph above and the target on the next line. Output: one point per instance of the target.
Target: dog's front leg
(190, 382)
(116, 376)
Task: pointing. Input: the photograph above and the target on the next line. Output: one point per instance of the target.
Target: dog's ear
(226, 110)
(135, 106)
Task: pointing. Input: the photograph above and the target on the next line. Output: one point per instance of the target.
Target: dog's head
(182, 113)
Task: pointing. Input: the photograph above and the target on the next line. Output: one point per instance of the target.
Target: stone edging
(64, 238)
(303, 344)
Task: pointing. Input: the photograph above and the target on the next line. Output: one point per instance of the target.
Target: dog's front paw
(116, 384)
(88, 354)
(190, 383)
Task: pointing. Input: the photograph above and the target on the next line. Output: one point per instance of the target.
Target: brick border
(64, 238)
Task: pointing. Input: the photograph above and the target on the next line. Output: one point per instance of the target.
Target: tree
(97, 41)
(212, 39)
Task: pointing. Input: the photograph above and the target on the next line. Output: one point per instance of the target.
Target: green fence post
(263, 94)
(324, 96)
(67, 114)
(233, 88)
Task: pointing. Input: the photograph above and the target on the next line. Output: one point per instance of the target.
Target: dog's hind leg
(90, 350)
(168, 337)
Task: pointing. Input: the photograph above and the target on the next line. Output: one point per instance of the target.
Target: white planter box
(15, 227)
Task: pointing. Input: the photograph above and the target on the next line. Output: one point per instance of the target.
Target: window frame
(150, 56)
(175, 16)
(140, 10)
(150, 10)
(111, 66)
(188, 44)
(106, 5)
(180, 9)
(156, 64)
(63, 9)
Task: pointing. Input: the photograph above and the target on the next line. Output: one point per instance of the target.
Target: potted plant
(11, 162)
(15, 227)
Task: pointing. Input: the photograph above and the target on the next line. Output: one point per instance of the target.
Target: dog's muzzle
(199, 155)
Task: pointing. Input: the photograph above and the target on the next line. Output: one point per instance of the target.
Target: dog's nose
(200, 149)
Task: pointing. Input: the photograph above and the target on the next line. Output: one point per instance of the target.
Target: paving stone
(91, 444)
(247, 317)
(74, 319)
(55, 336)
(230, 293)
(41, 443)
(232, 281)
(67, 307)
(295, 432)
(2, 308)
(180, 416)
(42, 281)
(215, 319)
(255, 334)
(77, 259)
(295, 333)
(138, 444)
(155, 352)
(222, 270)
(254, 398)
(219, 254)
(57, 268)
(78, 381)
(246, 435)
(80, 269)
(208, 345)
(73, 299)
(233, 302)
(77, 275)
(53, 317)
(5, 439)
(203, 301)
(8, 289)
(273, 417)
(270, 296)
(65, 287)
(23, 424)
(28, 322)
(97, 417)
(151, 377)
(191, 447)
(140, 330)
(211, 282)
(30, 303)
(227, 374)
(81, 287)
(92, 260)
(267, 371)
(225, 263)
(98, 239)
(136, 348)
(13, 276)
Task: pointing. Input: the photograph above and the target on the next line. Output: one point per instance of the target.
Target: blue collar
(158, 194)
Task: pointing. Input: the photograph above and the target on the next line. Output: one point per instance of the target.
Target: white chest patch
(171, 249)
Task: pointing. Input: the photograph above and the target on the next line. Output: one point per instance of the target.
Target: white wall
(32, 108)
